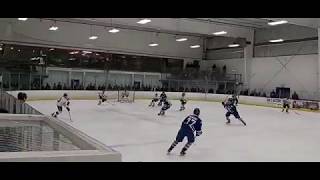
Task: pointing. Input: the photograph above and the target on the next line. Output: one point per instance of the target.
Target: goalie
(102, 97)
(124, 96)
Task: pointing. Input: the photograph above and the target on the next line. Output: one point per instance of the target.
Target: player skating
(285, 105)
(235, 100)
(62, 102)
(183, 101)
(190, 125)
(154, 100)
(231, 110)
(166, 106)
(102, 97)
(163, 97)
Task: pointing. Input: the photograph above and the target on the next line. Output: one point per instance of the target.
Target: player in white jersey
(102, 97)
(62, 102)
(154, 100)
(183, 101)
(285, 104)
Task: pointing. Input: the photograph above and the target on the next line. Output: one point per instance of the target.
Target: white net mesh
(112, 96)
(126, 96)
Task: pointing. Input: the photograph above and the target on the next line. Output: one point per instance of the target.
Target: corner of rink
(39, 138)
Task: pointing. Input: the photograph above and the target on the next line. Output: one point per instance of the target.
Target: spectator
(54, 86)
(224, 69)
(295, 96)
(273, 94)
(59, 86)
(214, 67)
(47, 87)
(264, 94)
(64, 86)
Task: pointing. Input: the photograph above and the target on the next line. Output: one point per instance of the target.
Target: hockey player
(285, 104)
(235, 100)
(183, 101)
(232, 110)
(163, 97)
(166, 106)
(62, 102)
(155, 99)
(102, 97)
(189, 126)
(125, 96)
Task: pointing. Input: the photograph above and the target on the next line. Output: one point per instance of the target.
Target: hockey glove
(198, 133)
(68, 103)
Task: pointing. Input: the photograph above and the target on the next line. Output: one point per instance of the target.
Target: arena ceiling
(203, 27)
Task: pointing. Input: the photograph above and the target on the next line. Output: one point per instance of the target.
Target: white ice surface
(139, 134)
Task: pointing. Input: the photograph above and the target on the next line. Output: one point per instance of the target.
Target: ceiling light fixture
(181, 39)
(276, 40)
(233, 45)
(53, 28)
(86, 52)
(195, 46)
(144, 21)
(114, 30)
(219, 33)
(153, 44)
(22, 19)
(51, 49)
(74, 52)
(93, 37)
(274, 23)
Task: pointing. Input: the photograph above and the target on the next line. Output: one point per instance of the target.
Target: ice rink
(139, 134)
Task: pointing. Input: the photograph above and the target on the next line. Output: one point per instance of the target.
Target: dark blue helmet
(196, 111)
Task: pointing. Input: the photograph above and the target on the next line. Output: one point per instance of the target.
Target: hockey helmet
(196, 111)
(65, 95)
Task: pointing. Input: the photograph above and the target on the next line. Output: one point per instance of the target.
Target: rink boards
(91, 95)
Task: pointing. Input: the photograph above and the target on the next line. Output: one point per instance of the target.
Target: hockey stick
(110, 103)
(70, 116)
(296, 112)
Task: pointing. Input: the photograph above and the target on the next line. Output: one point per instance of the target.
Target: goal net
(125, 96)
(120, 96)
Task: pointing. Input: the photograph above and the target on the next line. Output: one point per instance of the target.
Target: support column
(69, 79)
(83, 80)
(318, 69)
(132, 80)
(185, 62)
(248, 56)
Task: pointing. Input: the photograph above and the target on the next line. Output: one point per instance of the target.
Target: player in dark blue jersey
(166, 106)
(190, 125)
(232, 110)
(163, 97)
(235, 100)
